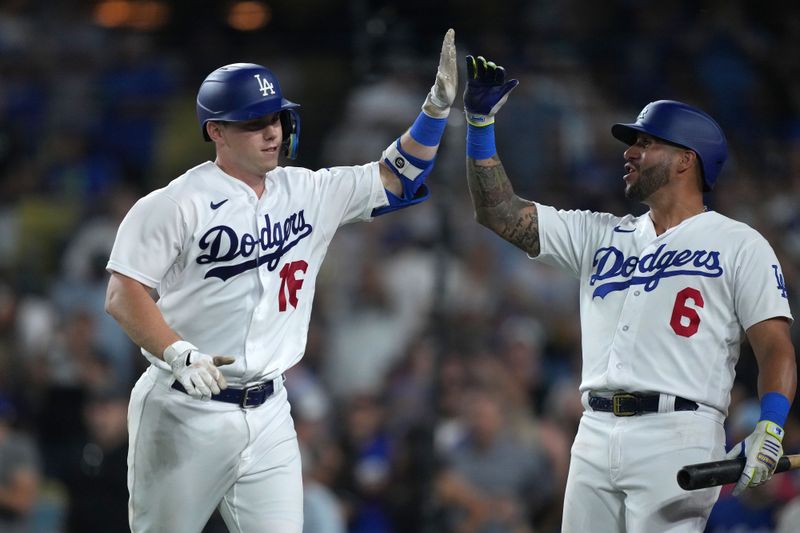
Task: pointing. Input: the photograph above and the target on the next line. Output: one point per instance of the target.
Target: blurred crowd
(439, 389)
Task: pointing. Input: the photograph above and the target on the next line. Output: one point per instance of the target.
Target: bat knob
(684, 479)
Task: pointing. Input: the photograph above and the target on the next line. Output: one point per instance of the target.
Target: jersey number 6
(681, 313)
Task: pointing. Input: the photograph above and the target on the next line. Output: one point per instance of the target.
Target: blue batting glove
(486, 90)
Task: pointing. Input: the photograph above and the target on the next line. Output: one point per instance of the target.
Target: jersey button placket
(257, 314)
(625, 337)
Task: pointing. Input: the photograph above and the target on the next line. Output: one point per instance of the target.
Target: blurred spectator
(409, 387)
(95, 472)
(136, 89)
(371, 117)
(367, 466)
(491, 482)
(75, 172)
(789, 517)
(561, 413)
(322, 510)
(365, 339)
(521, 341)
(10, 368)
(64, 376)
(81, 284)
(321, 457)
(19, 473)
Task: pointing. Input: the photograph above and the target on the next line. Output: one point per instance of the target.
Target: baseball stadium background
(439, 389)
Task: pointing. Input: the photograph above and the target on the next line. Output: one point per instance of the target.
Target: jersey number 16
(290, 284)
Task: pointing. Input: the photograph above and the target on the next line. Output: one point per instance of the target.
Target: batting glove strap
(762, 448)
(177, 350)
(771, 428)
(478, 120)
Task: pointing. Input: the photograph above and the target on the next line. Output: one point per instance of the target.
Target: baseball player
(666, 298)
(231, 249)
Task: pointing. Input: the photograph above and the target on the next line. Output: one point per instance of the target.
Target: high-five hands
(443, 92)
(486, 90)
(763, 448)
(197, 372)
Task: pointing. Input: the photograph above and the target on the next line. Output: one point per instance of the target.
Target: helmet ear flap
(290, 124)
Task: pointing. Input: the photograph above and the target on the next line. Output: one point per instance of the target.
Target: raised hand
(486, 90)
(443, 92)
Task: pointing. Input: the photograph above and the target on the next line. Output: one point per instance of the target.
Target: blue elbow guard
(396, 203)
(412, 172)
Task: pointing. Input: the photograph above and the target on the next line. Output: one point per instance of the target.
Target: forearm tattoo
(499, 209)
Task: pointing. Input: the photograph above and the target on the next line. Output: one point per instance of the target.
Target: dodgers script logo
(274, 240)
(610, 263)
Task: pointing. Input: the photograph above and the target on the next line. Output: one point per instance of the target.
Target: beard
(650, 180)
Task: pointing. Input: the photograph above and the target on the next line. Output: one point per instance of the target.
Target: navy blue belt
(631, 404)
(251, 396)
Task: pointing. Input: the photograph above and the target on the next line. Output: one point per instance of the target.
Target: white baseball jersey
(664, 313)
(236, 274)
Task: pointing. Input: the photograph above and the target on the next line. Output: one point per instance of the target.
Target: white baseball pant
(623, 472)
(187, 457)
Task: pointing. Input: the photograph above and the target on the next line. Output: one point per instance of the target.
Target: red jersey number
(685, 320)
(290, 284)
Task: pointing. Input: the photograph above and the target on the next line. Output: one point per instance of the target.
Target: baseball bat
(713, 473)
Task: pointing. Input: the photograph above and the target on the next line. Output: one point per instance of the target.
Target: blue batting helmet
(683, 125)
(246, 91)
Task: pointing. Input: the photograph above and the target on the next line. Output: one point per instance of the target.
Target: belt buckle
(617, 400)
(246, 395)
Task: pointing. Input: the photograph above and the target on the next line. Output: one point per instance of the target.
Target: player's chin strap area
(412, 172)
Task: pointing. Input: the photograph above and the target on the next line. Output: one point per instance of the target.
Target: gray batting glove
(443, 93)
(763, 448)
(196, 371)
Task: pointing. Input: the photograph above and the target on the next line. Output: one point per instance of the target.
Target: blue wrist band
(480, 141)
(775, 408)
(428, 130)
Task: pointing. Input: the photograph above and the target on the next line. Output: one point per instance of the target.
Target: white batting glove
(443, 93)
(763, 449)
(196, 371)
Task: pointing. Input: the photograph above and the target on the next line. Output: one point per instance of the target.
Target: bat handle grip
(712, 474)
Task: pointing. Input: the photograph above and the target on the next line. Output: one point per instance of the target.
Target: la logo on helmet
(264, 85)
